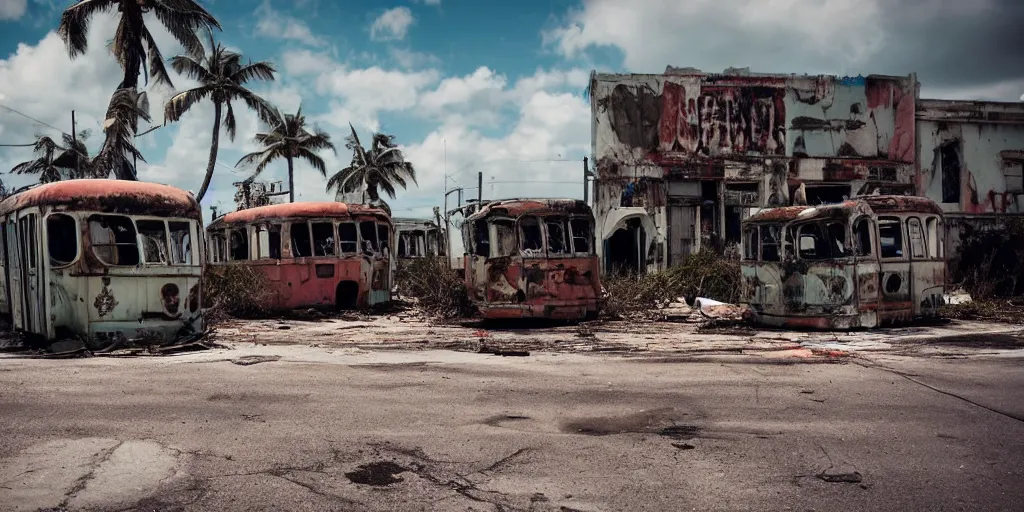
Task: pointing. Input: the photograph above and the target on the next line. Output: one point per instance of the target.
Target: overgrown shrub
(705, 274)
(234, 290)
(436, 287)
(991, 261)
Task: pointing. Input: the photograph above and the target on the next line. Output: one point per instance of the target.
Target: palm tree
(133, 42)
(222, 78)
(55, 162)
(382, 167)
(126, 107)
(288, 138)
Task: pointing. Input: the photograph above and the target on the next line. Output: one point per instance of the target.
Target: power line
(26, 116)
(17, 145)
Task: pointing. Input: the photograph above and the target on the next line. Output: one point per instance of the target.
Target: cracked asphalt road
(314, 429)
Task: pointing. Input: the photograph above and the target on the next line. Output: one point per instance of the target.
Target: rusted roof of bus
(516, 207)
(305, 210)
(878, 204)
(108, 196)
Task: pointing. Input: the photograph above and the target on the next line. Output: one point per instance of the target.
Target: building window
(1013, 171)
(61, 239)
(949, 165)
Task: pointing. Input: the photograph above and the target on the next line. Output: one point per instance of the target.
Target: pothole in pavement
(665, 422)
(378, 474)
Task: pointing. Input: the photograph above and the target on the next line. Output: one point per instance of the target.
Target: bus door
(31, 273)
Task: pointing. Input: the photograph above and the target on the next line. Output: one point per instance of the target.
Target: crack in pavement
(83, 480)
(872, 364)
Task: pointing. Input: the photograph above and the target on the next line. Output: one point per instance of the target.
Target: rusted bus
(419, 238)
(533, 258)
(106, 261)
(865, 262)
(312, 253)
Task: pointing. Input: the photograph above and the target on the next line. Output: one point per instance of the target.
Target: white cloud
(363, 93)
(12, 9)
(427, 2)
(305, 62)
(392, 25)
(275, 24)
(408, 59)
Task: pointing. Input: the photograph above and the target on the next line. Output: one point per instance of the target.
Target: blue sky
(495, 87)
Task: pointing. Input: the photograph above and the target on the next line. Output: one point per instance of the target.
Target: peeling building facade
(970, 156)
(683, 157)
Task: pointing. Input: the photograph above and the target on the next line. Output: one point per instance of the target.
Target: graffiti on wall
(723, 120)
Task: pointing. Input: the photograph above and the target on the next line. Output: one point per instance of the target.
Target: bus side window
(239, 244)
(890, 237)
(750, 243)
(323, 239)
(932, 236)
(348, 237)
(383, 237)
(368, 232)
(482, 238)
(302, 243)
(862, 237)
(504, 238)
(62, 239)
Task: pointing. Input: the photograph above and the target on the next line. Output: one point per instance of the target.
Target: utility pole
(74, 143)
(479, 189)
(586, 180)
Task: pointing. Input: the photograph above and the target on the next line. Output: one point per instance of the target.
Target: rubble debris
(715, 310)
(251, 360)
(377, 474)
(956, 297)
(677, 311)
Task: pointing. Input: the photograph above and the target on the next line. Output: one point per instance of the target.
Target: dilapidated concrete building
(683, 157)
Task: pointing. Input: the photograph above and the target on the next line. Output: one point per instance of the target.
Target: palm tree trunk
(291, 181)
(213, 152)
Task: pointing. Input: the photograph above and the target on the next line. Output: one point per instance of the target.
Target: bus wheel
(347, 295)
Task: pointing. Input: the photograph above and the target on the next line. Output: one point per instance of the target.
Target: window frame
(355, 227)
(924, 238)
(78, 241)
(136, 243)
(871, 237)
(567, 250)
(334, 238)
(540, 252)
(887, 220)
(142, 247)
(589, 237)
(248, 240)
(492, 231)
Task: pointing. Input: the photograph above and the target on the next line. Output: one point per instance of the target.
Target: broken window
(431, 243)
(368, 233)
(268, 242)
(153, 234)
(890, 237)
(916, 235)
(932, 236)
(1013, 171)
(481, 238)
(533, 240)
(770, 242)
(238, 244)
(580, 231)
(302, 243)
(348, 238)
(403, 245)
(384, 238)
(113, 240)
(181, 242)
(504, 238)
(61, 239)
(862, 236)
(949, 163)
(218, 246)
(836, 233)
(812, 243)
(750, 243)
(323, 238)
(556, 236)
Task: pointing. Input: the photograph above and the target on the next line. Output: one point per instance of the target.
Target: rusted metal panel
(870, 261)
(549, 272)
(301, 210)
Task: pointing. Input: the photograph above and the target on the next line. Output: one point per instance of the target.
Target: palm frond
(74, 24)
(191, 68)
(312, 159)
(157, 70)
(229, 120)
(182, 19)
(183, 101)
(253, 71)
